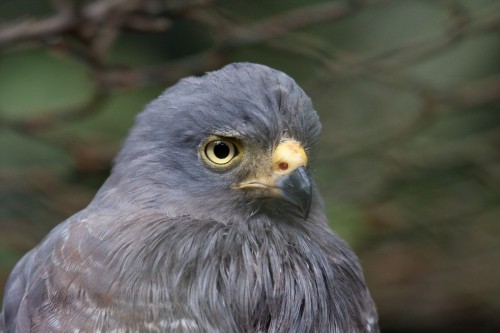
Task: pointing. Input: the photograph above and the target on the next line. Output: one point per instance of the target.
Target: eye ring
(221, 152)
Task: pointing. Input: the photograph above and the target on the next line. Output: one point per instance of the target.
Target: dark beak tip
(296, 188)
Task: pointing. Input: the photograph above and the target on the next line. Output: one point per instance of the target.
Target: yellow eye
(221, 152)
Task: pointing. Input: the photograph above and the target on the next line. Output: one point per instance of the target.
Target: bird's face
(262, 172)
(234, 140)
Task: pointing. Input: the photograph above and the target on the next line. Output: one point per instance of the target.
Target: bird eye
(221, 152)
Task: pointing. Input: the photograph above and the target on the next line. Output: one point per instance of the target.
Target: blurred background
(408, 92)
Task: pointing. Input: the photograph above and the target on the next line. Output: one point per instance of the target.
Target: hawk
(209, 222)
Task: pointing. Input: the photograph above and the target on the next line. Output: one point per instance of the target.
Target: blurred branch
(419, 51)
(99, 23)
(88, 21)
(473, 94)
(390, 60)
(166, 73)
(281, 24)
(236, 32)
(232, 37)
(385, 66)
(37, 29)
(477, 93)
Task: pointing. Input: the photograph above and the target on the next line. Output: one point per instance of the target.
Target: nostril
(283, 166)
(288, 156)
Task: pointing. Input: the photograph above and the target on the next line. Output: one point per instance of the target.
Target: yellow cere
(288, 156)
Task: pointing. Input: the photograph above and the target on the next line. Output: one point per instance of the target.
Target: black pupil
(221, 150)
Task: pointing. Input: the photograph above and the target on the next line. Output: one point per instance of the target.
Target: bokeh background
(408, 92)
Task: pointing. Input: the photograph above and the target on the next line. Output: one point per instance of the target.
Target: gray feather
(167, 245)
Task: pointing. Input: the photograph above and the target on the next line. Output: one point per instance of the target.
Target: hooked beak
(296, 189)
(287, 179)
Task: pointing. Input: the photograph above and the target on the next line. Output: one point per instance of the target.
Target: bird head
(234, 142)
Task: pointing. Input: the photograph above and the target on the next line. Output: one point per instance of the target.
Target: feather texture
(167, 245)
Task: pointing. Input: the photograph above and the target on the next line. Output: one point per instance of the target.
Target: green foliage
(37, 81)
